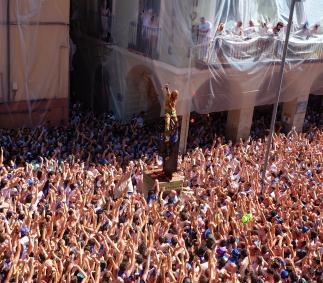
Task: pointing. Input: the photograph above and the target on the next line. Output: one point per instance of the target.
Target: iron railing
(263, 49)
(144, 40)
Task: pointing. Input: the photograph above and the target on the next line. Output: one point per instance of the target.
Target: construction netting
(243, 52)
(219, 54)
(34, 61)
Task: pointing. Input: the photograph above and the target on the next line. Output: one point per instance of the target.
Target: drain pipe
(8, 52)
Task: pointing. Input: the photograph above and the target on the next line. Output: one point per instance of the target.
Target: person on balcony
(220, 29)
(307, 32)
(238, 29)
(146, 30)
(146, 22)
(105, 17)
(304, 32)
(154, 26)
(204, 30)
(315, 28)
(278, 28)
(263, 29)
(250, 30)
(195, 26)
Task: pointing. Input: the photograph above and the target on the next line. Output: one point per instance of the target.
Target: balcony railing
(144, 40)
(224, 50)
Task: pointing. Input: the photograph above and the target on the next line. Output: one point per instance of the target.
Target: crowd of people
(266, 29)
(72, 208)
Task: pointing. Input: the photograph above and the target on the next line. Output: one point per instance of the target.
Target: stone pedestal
(176, 183)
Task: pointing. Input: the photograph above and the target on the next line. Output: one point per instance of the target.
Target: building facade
(34, 62)
(139, 59)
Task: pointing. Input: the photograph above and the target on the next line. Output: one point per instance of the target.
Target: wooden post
(187, 110)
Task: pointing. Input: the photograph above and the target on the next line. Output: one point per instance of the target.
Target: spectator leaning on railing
(205, 27)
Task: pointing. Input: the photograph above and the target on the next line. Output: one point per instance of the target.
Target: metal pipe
(274, 115)
(8, 52)
(187, 112)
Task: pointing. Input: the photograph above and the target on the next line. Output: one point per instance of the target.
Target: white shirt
(146, 20)
(249, 31)
(303, 33)
(205, 27)
(237, 30)
(263, 31)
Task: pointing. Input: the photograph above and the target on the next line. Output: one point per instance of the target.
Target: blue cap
(9, 176)
(168, 213)
(207, 233)
(280, 220)
(236, 252)
(174, 138)
(233, 260)
(305, 229)
(80, 275)
(221, 250)
(24, 231)
(284, 274)
(30, 182)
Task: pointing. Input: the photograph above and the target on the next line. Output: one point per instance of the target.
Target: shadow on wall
(142, 93)
(216, 95)
(268, 90)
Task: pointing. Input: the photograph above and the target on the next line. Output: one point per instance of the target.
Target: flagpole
(281, 75)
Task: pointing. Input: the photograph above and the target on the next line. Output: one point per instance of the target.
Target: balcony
(227, 50)
(144, 40)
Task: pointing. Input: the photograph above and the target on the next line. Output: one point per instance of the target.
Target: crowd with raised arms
(72, 208)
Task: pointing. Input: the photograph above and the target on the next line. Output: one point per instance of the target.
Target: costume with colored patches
(170, 113)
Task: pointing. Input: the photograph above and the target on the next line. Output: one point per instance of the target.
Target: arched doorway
(142, 95)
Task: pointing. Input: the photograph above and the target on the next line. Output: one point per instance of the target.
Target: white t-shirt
(263, 31)
(146, 20)
(205, 27)
(237, 30)
(249, 31)
(303, 33)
